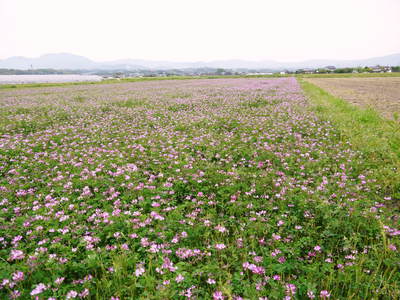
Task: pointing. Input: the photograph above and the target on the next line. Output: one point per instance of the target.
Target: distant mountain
(54, 61)
(71, 61)
(388, 60)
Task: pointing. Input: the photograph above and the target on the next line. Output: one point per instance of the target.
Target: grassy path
(376, 137)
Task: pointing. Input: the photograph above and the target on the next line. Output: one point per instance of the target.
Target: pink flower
(5, 282)
(324, 294)
(84, 293)
(211, 281)
(16, 255)
(282, 259)
(257, 259)
(220, 228)
(179, 278)
(40, 288)
(139, 270)
(132, 167)
(59, 280)
(218, 295)
(15, 294)
(290, 289)
(276, 237)
(18, 276)
(72, 294)
(220, 246)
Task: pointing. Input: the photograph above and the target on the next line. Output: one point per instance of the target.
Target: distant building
(381, 69)
(259, 73)
(330, 68)
(308, 71)
(388, 69)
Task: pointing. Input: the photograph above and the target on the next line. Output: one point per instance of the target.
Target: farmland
(382, 93)
(188, 189)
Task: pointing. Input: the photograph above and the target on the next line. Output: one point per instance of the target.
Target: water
(11, 79)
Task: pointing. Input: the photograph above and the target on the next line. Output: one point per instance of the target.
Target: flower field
(187, 189)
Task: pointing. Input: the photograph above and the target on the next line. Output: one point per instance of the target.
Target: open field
(140, 79)
(135, 79)
(382, 94)
(204, 189)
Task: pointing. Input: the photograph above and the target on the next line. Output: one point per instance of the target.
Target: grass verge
(376, 137)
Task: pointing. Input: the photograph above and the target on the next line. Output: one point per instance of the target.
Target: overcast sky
(186, 30)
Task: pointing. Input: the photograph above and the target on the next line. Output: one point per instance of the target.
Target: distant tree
(322, 71)
(396, 69)
(344, 70)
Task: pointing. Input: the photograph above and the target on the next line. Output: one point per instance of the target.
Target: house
(308, 71)
(387, 69)
(330, 68)
(381, 69)
(376, 69)
(258, 73)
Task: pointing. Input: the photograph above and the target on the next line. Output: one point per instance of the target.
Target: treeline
(358, 70)
(396, 69)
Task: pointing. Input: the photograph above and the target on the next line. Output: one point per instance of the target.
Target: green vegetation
(213, 189)
(376, 137)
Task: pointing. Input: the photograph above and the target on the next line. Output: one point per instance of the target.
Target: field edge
(376, 137)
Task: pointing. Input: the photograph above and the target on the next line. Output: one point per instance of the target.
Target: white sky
(189, 30)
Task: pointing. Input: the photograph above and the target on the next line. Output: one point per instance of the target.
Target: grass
(131, 103)
(376, 137)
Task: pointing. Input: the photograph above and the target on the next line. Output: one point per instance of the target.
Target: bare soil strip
(382, 94)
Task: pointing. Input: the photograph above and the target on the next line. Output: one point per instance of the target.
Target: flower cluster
(196, 189)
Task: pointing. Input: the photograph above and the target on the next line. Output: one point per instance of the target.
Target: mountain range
(69, 61)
